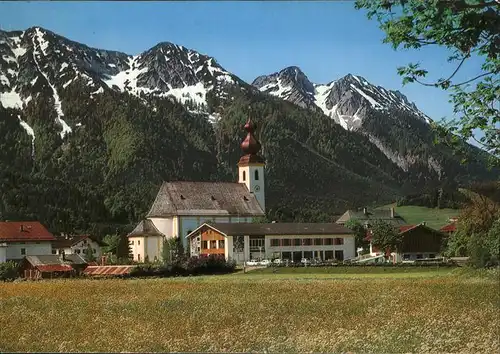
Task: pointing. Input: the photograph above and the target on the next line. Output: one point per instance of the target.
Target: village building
(288, 241)
(182, 206)
(24, 238)
(77, 244)
(418, 242)
(51, 266)
(368, 217)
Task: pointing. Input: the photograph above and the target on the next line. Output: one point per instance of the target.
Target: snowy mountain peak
(346, 100)
(37, 61)
(290, 84)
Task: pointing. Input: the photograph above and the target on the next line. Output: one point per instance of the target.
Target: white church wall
(166, 225)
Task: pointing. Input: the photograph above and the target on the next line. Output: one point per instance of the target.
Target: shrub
(192, 266)
(8, 271)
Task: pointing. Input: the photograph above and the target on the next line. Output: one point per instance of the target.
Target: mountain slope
(90, 134)
(387, 118)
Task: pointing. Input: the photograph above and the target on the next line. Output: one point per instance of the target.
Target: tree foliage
(467, 28)
(478, 229)
(359, 233)
(385, 236)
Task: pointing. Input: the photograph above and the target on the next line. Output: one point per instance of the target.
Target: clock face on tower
(256, 188)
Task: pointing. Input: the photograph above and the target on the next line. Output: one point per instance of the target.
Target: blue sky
(325, 39)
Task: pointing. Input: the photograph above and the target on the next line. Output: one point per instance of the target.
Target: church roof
(145, 228)
(204, 198)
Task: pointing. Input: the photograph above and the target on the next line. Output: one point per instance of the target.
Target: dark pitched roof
(17, 231)
(375, 214)
(53, 259)
(255, 229)
(145, 228)
(67, 242)
(204, 198)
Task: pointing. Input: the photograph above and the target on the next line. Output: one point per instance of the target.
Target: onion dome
(250, 145)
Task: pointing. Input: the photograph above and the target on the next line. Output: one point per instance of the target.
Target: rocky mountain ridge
(345, 100)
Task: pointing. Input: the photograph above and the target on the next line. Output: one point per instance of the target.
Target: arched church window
(244, 175)
(256, 175)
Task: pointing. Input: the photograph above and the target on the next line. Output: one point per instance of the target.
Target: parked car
(305, 261)
(278, 261)
(252, 263)
(265, 262)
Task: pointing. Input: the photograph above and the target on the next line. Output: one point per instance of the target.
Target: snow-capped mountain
(346, 100)
(37, 59)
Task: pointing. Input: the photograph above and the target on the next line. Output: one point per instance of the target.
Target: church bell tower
(251, 165)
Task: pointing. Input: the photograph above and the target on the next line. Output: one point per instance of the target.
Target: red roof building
(24, 238)
(51, 266)
(450, 228)
(16, 231)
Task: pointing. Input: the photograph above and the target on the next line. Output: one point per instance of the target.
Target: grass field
(294, 310)
(435, 218)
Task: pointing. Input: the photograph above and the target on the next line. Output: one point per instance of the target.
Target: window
(339, 255)
(54, 251)
(23, 251)
(297, 241)
(286, 242)
(256, 175)
(328, 255)
(221, 243)
(138, 242)
(244, 175)
(420, 256)
(307, 242)
(213, 243)
(204, 244)
(339, 241)
(275, 242)
(432, 255)
(77, 251)
(257, 242)
(132, 242)
(138, 257)
(318, 241)
(406, 257)
(328, 241)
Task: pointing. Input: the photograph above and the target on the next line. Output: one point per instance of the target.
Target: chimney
(365, 211)
(392, 213)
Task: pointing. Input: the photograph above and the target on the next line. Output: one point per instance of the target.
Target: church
(181, 207)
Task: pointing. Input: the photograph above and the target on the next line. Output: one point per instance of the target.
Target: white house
(292, 241)
(146, 242)
(182, 206)
(77, 244)
(24, 238)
